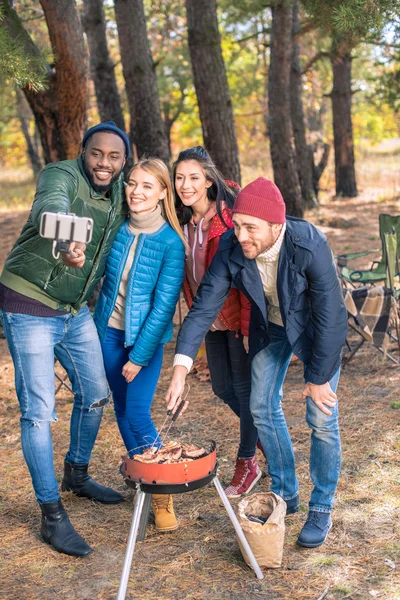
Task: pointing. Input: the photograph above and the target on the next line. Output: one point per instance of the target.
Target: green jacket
(30, 268)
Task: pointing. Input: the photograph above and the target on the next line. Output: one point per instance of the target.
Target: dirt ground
(201, 560)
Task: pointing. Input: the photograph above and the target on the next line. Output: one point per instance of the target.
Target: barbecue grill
(176, 478)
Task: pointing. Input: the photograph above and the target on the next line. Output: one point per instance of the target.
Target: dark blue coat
(310, 299)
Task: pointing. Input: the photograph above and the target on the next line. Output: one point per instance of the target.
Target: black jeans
(230, 373)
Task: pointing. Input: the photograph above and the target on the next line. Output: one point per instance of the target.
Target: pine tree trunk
(211, 85)
(342, 126)
(147, 127)
(32, 150)
(280, 124)
(60, 110)
(297, 115)
(71, 72)
(101, 65)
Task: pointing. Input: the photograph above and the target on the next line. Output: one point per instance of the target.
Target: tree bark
(317, 168)
(342, 126)
(60, 110)
(71, 71)
(211, 85)
(280, 124)
(101, 65)
(147, 127)
(32, 150)
(297, 115)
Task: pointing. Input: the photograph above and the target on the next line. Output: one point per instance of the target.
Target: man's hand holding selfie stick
(74, 256)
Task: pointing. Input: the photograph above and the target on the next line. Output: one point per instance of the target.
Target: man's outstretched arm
(207, 304)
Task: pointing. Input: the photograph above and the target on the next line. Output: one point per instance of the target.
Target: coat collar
(249, 275)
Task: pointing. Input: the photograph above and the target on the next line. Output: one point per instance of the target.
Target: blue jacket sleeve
(329, 317)
(208, 302)
(166, 295)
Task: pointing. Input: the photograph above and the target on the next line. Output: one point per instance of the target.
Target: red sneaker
(247, 473)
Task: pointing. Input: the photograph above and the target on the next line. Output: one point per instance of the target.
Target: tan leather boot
(164, 512)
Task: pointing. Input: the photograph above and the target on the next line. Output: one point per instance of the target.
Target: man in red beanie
(285, 268)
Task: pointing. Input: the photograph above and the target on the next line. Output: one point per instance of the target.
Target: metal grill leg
(130, 548)
(145, 518)
(238, 529)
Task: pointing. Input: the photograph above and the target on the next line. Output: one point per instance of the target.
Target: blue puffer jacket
(154, 284)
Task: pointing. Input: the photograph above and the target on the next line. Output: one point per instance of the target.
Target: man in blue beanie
(43, 305)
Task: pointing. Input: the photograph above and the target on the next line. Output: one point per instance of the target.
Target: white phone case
(66, 226)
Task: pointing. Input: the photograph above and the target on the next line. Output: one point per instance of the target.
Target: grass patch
(393, 549)
(342, 588)
(323, 560)
(395, 405)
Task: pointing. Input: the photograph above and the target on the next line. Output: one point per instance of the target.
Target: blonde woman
(136, 305)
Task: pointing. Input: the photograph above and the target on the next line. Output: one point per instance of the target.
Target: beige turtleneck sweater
(138, 223)
(267, 264)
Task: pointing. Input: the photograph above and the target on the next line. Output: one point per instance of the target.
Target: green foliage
(17, 66)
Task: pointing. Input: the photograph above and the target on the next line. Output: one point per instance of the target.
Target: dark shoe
(58, 531)
(77, 480)
(315, 529)
(292, 505)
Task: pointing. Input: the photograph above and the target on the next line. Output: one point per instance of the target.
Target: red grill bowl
(170, 474)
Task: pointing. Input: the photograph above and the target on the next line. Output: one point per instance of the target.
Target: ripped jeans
(33, 343)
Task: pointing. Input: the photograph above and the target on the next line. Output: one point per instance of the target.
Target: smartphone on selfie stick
(64, 228)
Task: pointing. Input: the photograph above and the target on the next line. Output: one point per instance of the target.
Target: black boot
(77, 480)
(58, 531)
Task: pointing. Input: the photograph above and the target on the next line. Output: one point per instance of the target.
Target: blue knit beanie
(112, 128)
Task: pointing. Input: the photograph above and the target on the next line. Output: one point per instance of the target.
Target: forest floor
(201, 560)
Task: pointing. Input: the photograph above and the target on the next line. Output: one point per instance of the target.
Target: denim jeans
(132, 401)
(269, 369)
(33, 343)
(230, 374)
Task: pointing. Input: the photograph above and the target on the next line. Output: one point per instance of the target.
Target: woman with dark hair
(203, 202)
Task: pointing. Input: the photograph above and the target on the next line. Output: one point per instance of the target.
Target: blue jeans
(33, 343)
(132, 401)
(230, 374)
(269, 369)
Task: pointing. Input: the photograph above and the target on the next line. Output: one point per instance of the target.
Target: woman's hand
(129, 371)
(246, 343)
(176, 388)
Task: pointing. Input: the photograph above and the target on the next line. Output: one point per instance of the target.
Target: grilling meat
(172, 452)
(192, 451)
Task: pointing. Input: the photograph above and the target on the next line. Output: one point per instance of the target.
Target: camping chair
(63, 381)
(373, 311)
(378, 271)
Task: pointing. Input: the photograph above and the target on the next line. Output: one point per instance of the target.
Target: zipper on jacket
(98, 255)
(119, 275)
(197, 235)
(193, 249)
(140, 244)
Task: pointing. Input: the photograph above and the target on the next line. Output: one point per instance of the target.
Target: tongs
(175, 415)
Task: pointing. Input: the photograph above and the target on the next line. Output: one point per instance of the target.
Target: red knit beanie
(261, 198)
